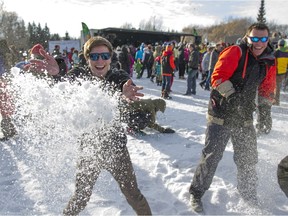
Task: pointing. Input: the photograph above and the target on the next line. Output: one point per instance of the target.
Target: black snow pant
(245, 157)
(119, 165)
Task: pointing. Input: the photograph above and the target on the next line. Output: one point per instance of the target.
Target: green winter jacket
(282, 174)
(151, 106)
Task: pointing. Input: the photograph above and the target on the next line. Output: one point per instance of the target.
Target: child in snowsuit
(138, 67)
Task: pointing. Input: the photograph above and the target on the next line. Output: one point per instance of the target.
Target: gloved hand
(168, 130)
(264, 120)
(234, 100)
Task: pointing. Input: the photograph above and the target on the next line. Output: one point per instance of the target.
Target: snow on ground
(38, 167)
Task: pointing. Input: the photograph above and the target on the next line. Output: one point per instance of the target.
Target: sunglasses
(96, 56)
(256, 39)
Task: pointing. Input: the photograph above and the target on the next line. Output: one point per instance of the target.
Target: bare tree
(153, 24)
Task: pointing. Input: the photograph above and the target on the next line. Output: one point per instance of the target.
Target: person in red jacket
(240, 73)
(168, 67)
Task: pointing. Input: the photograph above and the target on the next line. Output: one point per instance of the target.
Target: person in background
(181, 60)
(239, 74)
(168, 67)
(213, 59)
(138, 67)
(75, 58)
(281, 56)
(193, 64)
(123, 58)
(205, 67)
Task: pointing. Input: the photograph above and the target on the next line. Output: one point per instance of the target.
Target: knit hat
(35, 49)
(94, 42)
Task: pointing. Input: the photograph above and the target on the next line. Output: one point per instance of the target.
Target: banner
(86, 32)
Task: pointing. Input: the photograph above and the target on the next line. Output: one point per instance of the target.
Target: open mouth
(99, 67)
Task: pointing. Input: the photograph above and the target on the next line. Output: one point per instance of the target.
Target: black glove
(234, 100)
(264, 120)
(168, 130)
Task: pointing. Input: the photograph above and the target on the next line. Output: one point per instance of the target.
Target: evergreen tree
(261, 13)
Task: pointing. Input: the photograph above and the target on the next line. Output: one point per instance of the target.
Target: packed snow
(38, 166)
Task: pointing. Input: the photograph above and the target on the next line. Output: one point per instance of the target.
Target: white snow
(37, 168)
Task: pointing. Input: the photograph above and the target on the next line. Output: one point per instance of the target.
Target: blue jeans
(166, 83)
(191, 81)
(208, 80)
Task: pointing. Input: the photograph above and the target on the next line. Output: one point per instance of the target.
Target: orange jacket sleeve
(172, 64)
(226, 65)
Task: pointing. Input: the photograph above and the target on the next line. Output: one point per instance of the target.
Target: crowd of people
(233, 73)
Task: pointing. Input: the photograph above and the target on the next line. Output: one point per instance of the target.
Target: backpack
(166, 67)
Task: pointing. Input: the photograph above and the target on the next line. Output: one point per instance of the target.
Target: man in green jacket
(143, 115)
(282, 174)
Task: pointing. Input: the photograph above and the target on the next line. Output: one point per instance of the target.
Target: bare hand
(130, 92)
(48, 64)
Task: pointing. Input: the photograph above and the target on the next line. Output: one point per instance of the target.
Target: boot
(196, 204)
(165, 95)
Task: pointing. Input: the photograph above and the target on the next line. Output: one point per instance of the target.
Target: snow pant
(245, 157)
(191, 81)
(7, 128)
(122, 171)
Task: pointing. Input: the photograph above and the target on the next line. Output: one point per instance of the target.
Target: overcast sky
(66, 15)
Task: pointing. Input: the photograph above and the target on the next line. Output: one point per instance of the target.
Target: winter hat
(35, 49)
(160, 104)
(169, 47)
(95, 42)
(281, 43)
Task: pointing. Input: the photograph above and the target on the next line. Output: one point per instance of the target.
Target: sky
(38, 166)
(64, 16)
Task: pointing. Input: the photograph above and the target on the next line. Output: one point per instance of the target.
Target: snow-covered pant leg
(8, 128)
(124, 174)
(86, 177)
(246, 157)
(217, 137)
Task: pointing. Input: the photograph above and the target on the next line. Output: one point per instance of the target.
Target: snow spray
(49, 120)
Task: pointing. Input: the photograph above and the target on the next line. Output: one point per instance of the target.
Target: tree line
(14, 30)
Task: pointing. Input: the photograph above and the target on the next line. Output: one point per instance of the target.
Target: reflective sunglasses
(96, 56)
(256, 39)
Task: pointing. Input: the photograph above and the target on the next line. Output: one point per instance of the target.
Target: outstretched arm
(130, 91)
(48, 64)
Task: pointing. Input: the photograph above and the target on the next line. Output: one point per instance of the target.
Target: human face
(258, 47)
(99, 67)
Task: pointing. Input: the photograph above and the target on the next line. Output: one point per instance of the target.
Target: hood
(160, 104)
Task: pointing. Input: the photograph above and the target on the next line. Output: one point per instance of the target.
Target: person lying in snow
(282, 174)
(143, 115)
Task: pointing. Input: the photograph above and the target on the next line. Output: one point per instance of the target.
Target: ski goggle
(96, 56)
(256, 39)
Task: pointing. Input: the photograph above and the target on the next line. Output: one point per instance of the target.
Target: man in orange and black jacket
(239, 74)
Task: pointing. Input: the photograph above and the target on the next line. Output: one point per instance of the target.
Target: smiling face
(99, 67)
(258, 47)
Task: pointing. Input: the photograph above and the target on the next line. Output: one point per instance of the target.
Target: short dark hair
(258, 26)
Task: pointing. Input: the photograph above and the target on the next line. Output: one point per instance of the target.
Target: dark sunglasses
(256, 39)
(96, 56)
